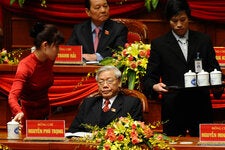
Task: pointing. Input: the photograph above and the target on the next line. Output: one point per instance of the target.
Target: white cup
(13, 130)
(203, 78)
(190, 79)
(216, 77)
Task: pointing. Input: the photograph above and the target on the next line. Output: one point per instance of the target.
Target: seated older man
(111, 103)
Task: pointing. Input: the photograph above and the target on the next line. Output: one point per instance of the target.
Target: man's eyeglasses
(108, 81)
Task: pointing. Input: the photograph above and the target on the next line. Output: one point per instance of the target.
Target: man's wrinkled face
(108, 84)
(179, 23)
(99, 11)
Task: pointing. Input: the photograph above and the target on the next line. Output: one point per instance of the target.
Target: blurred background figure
(110, 34)
(1, 38)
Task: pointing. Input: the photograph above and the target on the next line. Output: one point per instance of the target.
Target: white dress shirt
(183, 42)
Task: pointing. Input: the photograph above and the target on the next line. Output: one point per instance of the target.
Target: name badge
(198, 65)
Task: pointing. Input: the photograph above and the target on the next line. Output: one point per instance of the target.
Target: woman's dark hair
(174, 7)
(46, 32)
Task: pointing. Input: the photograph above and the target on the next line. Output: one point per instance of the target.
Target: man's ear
(120, 84)
(87, 11)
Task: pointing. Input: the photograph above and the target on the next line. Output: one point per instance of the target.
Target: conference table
(183, 143)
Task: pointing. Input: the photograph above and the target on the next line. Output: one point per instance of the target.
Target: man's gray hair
(116, 71)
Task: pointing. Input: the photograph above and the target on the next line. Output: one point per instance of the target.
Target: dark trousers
(183, 111)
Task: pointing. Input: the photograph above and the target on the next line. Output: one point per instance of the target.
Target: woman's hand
(160, 88)
(18, 118)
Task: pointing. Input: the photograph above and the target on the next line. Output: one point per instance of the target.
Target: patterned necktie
(184, 46)
(96, 40)
(106, 105)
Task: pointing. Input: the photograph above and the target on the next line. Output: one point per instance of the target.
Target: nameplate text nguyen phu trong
(212, 133)
(45, 130)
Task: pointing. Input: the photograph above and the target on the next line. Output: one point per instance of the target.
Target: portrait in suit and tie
(108, 105)
(99, 34)
(173, 55)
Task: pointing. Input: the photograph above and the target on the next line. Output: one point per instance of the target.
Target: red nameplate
(45, 130)
(220, 55)
(69, 54)
(212, 133)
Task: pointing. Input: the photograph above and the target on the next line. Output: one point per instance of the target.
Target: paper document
(78, 134)
(92, 62)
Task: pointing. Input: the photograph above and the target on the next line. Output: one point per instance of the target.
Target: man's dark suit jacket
(90, 111)
(113, 35)
(166, 62)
